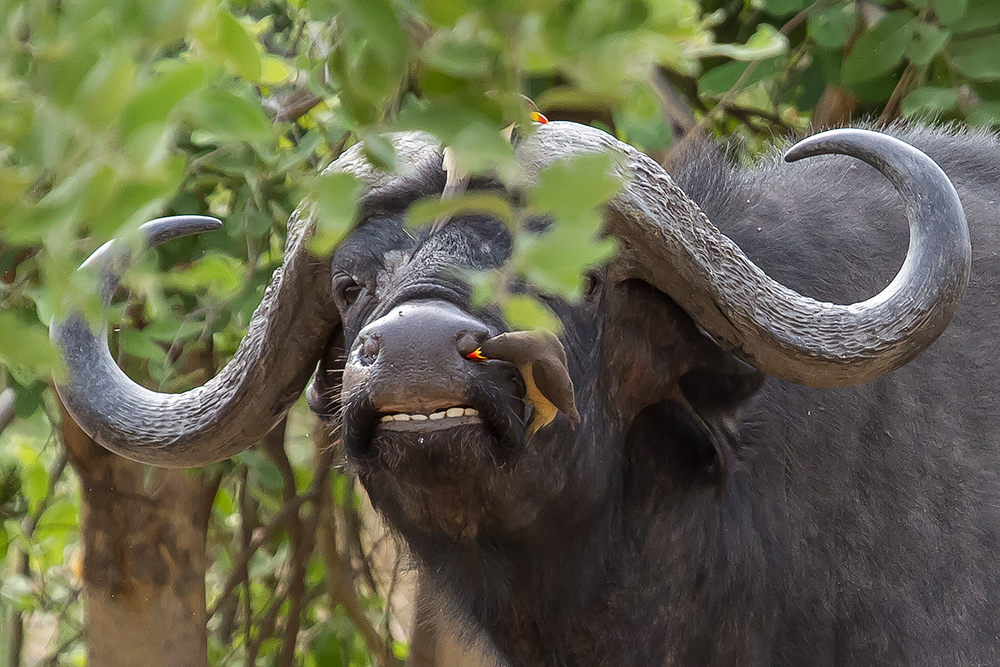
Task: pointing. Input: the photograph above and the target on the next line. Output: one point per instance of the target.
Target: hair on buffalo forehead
(383, 243)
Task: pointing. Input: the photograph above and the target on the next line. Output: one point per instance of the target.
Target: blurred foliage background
(113, 112)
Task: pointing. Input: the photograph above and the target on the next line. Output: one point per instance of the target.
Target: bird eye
(349, 289)
(590, 284)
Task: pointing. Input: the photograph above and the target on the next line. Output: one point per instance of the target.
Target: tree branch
(895, 104)
(259, 538)
(7, 400)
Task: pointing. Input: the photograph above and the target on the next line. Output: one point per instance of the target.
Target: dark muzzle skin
(407, 378)
(413, 359)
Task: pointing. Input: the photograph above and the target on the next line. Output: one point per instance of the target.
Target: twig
(52, 659)
(266, 625)
(7, 400)
(341, 590)
(353, 519)
(292, 106)
(16, 644)
(745, 114)
(301, 544)
(895, 104)
(675, 111)
(246, 539)
(259, 539)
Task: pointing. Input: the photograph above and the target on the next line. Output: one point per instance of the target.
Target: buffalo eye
(591, 282)
(348, 289)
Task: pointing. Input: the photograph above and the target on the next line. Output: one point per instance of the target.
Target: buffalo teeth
(434, 416)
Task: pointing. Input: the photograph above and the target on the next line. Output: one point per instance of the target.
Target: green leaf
(979, 14)
(275, 71)
(335, 196)
(221, 115)
(266, 475)
(220, 275)
(831, 27)
(380, 152)
(766, 42)
(60, 519)
(34, 484)
(224, 503)
(107, 88)
(879, 50)
(929, 100)
(554, 261)
(950, 11)
(377, 21)
(461, 56)
(987, 113)
(429, 209)
(138, 345)
(781, 7)
(721, 79)
(327, 649)
(570, 188)
(26, 345)
(443, 12)
(156, 99)
(523, 311)
(230, 44)
(642, 123)
(976, 57)
(927, 42)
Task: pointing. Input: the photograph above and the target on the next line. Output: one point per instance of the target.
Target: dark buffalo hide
(699, 512)
(702, 514)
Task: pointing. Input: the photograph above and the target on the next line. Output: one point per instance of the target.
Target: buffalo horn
(666, 240)
(285, 339)
(232, 410)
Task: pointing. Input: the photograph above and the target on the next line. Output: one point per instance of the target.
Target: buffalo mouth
(483, 427)
(435, 421)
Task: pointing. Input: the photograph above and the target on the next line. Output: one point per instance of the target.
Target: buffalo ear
(672, 382)
(718, 388)
(689, 437)
(712, 397)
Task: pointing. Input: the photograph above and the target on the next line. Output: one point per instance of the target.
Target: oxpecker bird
(542, 361)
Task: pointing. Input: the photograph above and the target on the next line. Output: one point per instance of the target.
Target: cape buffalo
(749, 482)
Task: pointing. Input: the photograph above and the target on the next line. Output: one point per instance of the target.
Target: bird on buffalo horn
(541, 359)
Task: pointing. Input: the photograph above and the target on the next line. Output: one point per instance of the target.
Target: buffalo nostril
(467, 341)
(369, 349)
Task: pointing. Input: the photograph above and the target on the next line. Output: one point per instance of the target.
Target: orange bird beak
(476, 355)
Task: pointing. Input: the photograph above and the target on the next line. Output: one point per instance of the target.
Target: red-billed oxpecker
(542, 361)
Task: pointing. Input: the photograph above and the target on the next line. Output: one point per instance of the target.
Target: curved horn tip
(156, 232)
(172, 227)
(847, 141)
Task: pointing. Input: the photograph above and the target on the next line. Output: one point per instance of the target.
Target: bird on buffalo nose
(541, 359)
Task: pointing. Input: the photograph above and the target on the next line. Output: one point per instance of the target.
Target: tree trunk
(144, 559)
